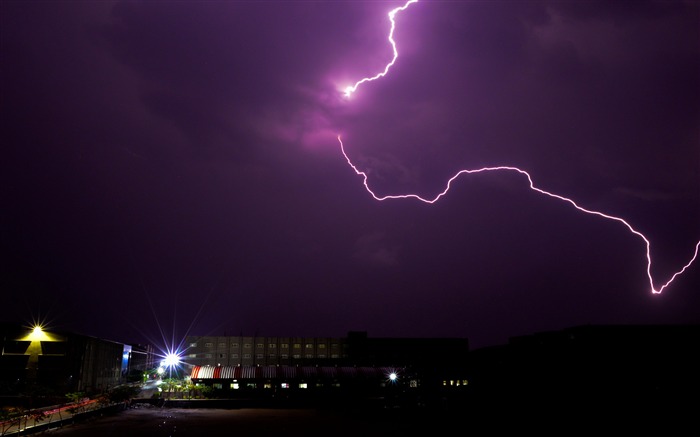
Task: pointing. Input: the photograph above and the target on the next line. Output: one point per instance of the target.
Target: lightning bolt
(392, 14)
(351, 89)
(533, 188)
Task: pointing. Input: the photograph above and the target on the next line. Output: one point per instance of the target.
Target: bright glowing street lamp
(171, 360)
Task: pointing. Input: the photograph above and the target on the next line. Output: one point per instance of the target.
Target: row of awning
(290, 372)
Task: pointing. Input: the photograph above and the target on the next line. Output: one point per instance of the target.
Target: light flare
(351, 89)
(171, 360)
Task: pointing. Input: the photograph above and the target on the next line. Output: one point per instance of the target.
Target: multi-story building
(263, 351)
(323, 366)
(355, 349)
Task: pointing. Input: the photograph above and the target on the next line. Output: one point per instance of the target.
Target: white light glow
(171, 360)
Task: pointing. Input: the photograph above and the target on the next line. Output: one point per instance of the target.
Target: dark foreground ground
(150, 421)
(158, 422)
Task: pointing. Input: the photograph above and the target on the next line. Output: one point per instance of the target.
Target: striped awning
(289, 372)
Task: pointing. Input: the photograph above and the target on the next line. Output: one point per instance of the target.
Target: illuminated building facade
(320, 367)
(355, 349)
(263, 351)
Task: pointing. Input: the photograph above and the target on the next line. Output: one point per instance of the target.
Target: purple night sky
(176, 164)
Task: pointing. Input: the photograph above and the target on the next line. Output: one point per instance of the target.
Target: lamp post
(171, 360)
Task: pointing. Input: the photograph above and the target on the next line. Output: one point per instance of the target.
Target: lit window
(267, 385)
(309, 346)
(321, 346)
(297, 346)
(272, 346)
(192, 355)
(259, 345)
(235, 386)
(285, 346)
(465, 382)
(284, 385)
(303, 385)
(296, 356)
(284, 356)
(413, 383)
(218, 386)
(193, 344)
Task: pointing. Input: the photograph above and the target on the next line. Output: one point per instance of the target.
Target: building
(355, 349)
(59, 362)
(263, 351)
(402, 369)
(641, 378)
(142, 357)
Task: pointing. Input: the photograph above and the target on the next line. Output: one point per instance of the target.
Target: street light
(171, 360)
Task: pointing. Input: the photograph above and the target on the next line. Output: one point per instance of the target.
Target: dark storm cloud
(186, 152)
(373, 248)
